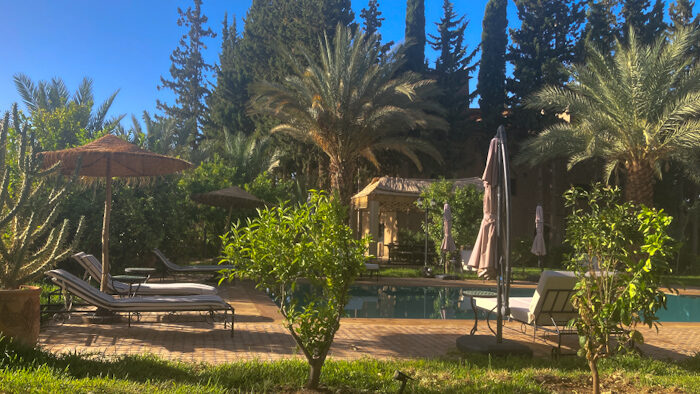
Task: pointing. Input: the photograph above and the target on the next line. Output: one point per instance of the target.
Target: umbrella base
(486, 344)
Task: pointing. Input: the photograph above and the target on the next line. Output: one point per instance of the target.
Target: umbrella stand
(502, 232)
(105, 226)
(488, 344)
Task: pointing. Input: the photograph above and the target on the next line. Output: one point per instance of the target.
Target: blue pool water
(378, 301)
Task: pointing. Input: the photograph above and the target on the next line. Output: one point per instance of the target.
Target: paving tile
(260, 335)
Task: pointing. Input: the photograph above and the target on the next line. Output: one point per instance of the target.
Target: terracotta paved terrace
(259, 334)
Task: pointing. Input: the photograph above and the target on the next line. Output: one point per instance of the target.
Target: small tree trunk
(594, 374)
(639, 187)
(314, 373)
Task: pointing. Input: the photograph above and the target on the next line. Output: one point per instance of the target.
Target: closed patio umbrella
(538, 248)
(483, 256)
(107, 157)
(448, 244)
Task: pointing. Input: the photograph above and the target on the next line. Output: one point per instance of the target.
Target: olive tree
(621, 251)
(306, 243)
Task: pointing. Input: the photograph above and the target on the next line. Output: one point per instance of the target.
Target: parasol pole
(502, 252)
(105, 225)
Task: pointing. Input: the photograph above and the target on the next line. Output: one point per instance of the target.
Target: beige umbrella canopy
(482, 257)
(107, 157)
(231, 197)
(448, 243)
(538, 248)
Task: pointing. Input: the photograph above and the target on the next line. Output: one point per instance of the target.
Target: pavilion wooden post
(105, 225)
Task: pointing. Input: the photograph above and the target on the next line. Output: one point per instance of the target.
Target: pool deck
(260, 334)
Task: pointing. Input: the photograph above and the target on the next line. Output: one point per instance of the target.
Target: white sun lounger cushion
(552, 280)
(94, 267)
(527, 309)
(519, 306)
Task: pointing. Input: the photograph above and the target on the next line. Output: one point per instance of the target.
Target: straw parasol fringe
(124, 159)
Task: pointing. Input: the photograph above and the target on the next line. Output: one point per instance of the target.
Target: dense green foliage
(635, 112)
(681, 14)
(647, 23)
(491, 84)
(189, 77)
(308, 242)
(546, 40)
(466, 204)
(23, 369)
(31, 240)
(601, 25)
(620, 253)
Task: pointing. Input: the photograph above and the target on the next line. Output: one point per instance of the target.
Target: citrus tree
(621, 251)
(305, 243)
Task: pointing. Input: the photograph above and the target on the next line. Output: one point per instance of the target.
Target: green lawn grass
(30, 370)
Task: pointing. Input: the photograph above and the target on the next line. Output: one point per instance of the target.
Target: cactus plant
(29, 240)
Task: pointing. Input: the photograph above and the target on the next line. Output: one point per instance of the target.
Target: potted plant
(29, 241)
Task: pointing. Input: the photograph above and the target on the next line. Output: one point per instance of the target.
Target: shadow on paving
(183, 337)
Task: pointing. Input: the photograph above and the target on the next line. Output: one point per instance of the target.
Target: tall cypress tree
(271, 24)
(546, 39)
(601, 25)
(415, 35)
(491, 85)
(647, 24)
(453, 66)
(188, 73)
(227, 102)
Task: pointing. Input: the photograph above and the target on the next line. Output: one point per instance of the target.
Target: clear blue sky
(126, 44)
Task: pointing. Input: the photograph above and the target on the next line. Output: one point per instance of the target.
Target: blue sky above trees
(126, 44)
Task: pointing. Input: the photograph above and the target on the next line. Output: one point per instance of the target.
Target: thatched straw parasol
(107, 157)
(231, 197)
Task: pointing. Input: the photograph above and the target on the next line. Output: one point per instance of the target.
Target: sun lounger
(549, 309)
(184, 269)
(192, 303)
(372, 268)
(94, 269)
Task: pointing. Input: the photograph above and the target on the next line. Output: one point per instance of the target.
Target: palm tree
(350, 105)
(54, 95)
(635, 111)
(250, 154)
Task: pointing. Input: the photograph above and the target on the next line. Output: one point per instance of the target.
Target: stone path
(259, 334)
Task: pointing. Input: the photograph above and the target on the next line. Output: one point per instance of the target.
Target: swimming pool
(404, 302)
